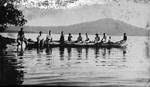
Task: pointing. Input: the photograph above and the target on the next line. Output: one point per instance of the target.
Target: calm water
(128, 67)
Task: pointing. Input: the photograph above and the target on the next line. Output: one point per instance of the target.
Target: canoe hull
(86, 45)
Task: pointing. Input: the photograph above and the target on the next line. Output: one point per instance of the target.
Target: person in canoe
(79, 39)
(69, 37)
(49, 37)
(109, 40)
(104, 38)
(124, 37)
(40, 39)
(87, 38)
(97, 38)
(62, 40)
(21, 37)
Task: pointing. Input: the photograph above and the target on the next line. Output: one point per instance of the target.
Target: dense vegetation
(10, 15)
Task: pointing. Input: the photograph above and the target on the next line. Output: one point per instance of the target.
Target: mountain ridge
(106, 25)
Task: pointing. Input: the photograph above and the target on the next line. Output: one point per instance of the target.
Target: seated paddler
(79, 39)
(97, 38)
(40, 39)
(124, 38)
(49, 37)
(104, 38)
(69, 37)
(87, 40)
(109, 40)
(62, 40)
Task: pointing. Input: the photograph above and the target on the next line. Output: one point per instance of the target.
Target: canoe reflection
(61, 53)
(49, 51)
(69, 50)
(79, 51)
(98, 52)
(86, 53)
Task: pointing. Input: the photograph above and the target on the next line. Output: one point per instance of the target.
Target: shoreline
(4, 41)
(67, 33)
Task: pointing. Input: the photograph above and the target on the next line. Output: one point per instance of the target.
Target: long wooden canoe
(118, 44)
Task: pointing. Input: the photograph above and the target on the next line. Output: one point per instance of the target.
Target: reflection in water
(114, 67)
(49, 55)
(79, 51)
(96, 53)
(61, 53)
(39, 50)
(49, 51)
(122, 68)
(109, 51)
(11, 72)
(69, 53)
(124, 55)
(147, 49)
(124, 52)
(86, 53)
(20, 53)
(104, 52)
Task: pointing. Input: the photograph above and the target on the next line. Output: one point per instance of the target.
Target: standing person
(62, 40)
(69, 37)
(79, 39)
(40, 39)
(124, 37)
(49, 37)
(87, 38)
(20, 37)
(97, 38)
(104, 38)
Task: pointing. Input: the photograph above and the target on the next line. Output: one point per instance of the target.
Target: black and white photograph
(79, 43)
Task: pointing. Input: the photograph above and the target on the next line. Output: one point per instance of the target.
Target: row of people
(41, 38)
(79, 38)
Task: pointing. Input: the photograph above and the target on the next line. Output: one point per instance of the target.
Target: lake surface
(128, 67)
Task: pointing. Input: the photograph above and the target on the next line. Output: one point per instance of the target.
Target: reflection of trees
(10, 71)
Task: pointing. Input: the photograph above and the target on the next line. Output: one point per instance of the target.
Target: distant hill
(109, 26)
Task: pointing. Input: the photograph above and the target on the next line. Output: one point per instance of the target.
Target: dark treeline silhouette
(10, 14)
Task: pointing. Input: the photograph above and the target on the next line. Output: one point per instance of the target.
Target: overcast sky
(86, 10)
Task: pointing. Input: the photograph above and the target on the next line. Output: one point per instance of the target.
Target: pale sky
(88, 10)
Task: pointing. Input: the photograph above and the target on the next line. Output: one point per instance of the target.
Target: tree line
(10, 15)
